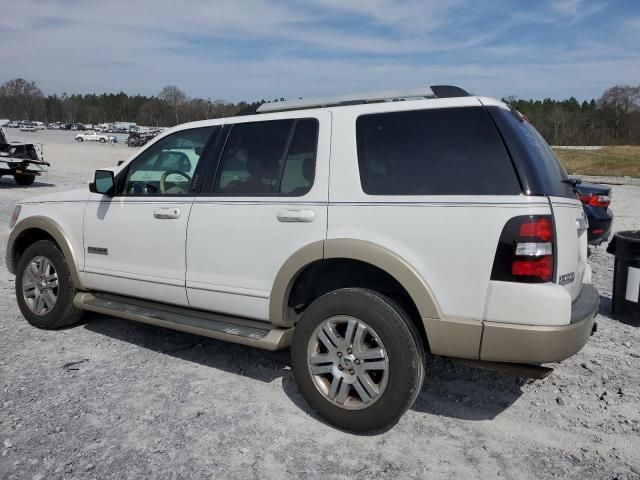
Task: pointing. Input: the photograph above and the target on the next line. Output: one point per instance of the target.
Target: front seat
(308, 172)
(263, 173)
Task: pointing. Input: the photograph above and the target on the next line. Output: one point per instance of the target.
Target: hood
(79, 195)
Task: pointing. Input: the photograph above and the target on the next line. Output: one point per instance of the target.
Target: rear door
(571, 243)
(268, 199)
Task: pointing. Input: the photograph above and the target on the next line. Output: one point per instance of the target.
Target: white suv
(362, 231)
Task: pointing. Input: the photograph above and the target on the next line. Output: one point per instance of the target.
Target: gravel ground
(115, 399)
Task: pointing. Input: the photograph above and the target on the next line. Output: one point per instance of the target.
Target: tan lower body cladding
(506, 342)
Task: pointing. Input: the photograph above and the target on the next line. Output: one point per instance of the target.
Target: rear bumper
(599, 231)
(505, 342)
(600, 220)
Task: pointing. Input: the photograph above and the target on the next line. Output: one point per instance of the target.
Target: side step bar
(222, 327)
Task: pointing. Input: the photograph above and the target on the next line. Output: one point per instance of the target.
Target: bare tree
(174, 97)
(26, 98)
(621, 100)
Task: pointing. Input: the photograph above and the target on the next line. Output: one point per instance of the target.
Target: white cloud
(260, 48)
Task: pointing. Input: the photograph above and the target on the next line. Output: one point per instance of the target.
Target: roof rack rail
(436, 91)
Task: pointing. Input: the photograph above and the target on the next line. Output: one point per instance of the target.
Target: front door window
(167, 167)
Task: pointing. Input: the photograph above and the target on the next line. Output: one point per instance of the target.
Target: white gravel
(145, 402)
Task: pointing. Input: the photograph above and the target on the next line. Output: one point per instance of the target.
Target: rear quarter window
(455, 151)
(541, 172)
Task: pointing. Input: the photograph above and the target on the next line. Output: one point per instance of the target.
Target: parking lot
(115, 399)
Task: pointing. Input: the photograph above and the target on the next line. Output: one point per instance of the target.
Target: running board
(222, 327)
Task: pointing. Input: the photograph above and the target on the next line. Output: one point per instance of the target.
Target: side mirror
(103, 182)
(120, 162)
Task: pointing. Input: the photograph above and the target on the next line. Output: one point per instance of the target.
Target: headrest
(263, 167)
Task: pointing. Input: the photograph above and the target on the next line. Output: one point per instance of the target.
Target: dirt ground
(112, 399)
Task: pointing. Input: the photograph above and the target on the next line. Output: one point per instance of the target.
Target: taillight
(539, 228)
(525, 250)
(595, 200)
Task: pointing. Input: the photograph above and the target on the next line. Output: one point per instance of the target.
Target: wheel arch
(363, 251)
(36, 228)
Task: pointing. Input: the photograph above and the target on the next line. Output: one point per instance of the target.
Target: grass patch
(618, 161)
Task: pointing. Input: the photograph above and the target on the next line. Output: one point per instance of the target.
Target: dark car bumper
(600, 222)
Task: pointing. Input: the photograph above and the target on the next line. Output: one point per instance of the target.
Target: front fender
(53, 229)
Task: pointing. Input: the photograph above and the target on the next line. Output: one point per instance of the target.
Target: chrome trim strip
(135, 276)
(207, 287)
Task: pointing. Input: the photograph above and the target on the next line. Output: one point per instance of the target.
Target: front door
(134, 242)
(268, 200)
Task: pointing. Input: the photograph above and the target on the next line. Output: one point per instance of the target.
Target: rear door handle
(304, 216)
(166, 213)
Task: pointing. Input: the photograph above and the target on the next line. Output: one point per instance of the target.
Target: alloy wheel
(348, 362)
(40, 285)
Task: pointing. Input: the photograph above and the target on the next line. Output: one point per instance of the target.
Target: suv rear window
(454, 151)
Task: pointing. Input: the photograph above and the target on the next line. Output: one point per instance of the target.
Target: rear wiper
(573, 181)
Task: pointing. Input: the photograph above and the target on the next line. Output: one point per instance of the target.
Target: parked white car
(362, 231)
(91, 136)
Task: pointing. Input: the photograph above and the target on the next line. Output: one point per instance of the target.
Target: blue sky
(253, 49)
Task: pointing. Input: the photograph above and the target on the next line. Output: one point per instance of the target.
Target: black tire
(80, 139)
(401, 340)
(102, 140)
(63, 313)
(22, 179)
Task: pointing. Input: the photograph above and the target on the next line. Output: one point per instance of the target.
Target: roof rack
(435, 91)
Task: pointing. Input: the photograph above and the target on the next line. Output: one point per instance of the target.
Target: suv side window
(168, 166)
(268, 158)
(453, 151)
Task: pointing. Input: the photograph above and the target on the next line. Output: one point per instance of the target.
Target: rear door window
(455, 151)
(275, 157)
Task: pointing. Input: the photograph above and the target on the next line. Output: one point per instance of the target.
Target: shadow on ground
(9, 182)
(451, 389)
(606, 307)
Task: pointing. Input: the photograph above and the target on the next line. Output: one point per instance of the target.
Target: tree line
(23, 100)
(612, 119)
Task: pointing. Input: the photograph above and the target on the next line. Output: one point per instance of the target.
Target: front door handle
(166, 213)
(304, 216)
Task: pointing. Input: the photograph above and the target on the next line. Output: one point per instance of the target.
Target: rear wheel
(44, 287)
(357, 359)
(22, 179)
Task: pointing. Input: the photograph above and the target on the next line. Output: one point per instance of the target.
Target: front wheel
(358, 359)
(22, 179)
(102, 140)
(79, 139)
(44, 287)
